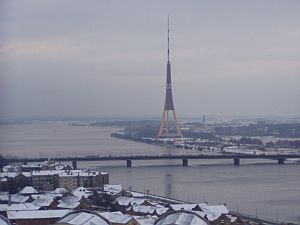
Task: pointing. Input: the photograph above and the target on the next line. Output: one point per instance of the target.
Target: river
(256, 186)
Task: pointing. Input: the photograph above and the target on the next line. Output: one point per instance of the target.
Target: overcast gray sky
(108, 58)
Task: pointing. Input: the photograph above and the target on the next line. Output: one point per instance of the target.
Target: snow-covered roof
(161, 210)
(181, 218)
(43, 201)
(85, 173)
(125, 201)
(220, 209)
(45, 172)
(69, 202)
(81, 191)
(211, 216)
(116, 217)
(14, 198)
(183, 206)
(37, 214)
(212, 212)
(28, 190)
(137, 194)
(84, 218)
(23, 206)
(14, 174)
(68, 205)
(112, 188)
(145, 220)
(46, 195)
(145, 209)
(60, 191)
(67, 173)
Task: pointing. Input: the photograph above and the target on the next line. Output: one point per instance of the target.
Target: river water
(255, 187)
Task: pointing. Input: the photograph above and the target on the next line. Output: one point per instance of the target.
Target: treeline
(270, 144)
(246, 140)
(291, 130)
(125, 123)
(283, 144)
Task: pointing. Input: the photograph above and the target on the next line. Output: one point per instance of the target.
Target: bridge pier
(74, 164)
(236, 161)
(185, 162)
(280, 161)
(129, 163)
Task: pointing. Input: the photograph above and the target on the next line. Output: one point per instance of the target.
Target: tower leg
(167, 122)
(162, 124)
(178, 131)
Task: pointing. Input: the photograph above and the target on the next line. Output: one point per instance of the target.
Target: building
(28, 190)
(48, 176)
(182, 217)
(73, 179)
(46, 180)
(83, 217)
(118, 218)
(35, 217)
(49, 180)
(14, 181)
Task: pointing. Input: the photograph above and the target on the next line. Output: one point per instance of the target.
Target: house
(118, 218)
(6, 198)
(83, 217)
(182, 217)
(4, 208)
(221, 209)
(222, 219)
(112, 191)
(70, 202)
(74, 202)
(192, 207)
(46, 180)
(60, 191)
(22, 206)
(146, 220)
(122, 203)
(49, 180)
(36, 217)
(45, 202)
(144, 210)
(28, 190)
(72, 179)
(238, 221)
(14, 181)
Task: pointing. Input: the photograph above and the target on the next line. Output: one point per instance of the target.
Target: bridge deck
(156, 157)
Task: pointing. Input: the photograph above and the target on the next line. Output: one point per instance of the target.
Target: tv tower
(164, 130)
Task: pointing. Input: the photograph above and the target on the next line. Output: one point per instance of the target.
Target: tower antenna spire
(168, 38)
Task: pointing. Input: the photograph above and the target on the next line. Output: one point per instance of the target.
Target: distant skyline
(108, 58)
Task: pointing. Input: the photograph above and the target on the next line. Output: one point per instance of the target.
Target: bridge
(128, 159)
